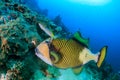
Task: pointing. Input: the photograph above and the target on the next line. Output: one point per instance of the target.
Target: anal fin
(77, 70)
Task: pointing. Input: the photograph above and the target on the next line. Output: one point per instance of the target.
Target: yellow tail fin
(102, 56)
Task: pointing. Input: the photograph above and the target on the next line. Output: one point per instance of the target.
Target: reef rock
(18, 28)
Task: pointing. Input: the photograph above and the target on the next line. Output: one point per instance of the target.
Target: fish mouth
(42, 57)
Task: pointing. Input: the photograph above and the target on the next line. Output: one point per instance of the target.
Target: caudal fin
(102, 56)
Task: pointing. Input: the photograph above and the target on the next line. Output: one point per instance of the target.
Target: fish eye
(48, 43)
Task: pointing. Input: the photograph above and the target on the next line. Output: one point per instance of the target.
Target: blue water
(100, 21)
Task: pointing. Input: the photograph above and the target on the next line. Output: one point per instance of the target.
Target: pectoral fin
(79, 38)
(77, 70)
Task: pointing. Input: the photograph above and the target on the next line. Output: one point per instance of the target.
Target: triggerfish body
(69, 53)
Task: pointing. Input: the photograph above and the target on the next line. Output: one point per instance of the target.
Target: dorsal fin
(77, 36)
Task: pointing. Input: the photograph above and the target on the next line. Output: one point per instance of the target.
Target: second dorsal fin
(80, 39)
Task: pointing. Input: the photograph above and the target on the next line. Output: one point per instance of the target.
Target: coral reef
(18, 28)
(104, 73)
